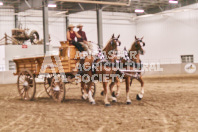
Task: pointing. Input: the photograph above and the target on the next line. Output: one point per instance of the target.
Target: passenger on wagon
(71, 35)
(86, 44)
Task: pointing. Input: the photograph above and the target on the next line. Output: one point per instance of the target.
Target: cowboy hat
(79, 25)
(71, 26)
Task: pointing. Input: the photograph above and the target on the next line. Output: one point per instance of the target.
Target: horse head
(112, 44)
(138, 45)
(111, 47)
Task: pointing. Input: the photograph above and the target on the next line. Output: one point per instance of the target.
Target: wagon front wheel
(47, 85)
(58, 89)
(26, 85)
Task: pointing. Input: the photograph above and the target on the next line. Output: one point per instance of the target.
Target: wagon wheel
(57, 89)
(93, 90)
(47, 85)
(26, 85)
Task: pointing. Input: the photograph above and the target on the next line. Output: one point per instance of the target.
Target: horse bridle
(117, 41)
(139, 40)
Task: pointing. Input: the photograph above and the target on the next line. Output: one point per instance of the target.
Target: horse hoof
(128, 103)
(82, 98)
(102, 93)
(138, 97)
(114, 101)
(107, 105)
(113, 94)
(93, 103)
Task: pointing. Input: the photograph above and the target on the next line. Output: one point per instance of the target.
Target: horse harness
(116, 64)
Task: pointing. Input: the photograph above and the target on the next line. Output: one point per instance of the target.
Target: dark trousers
(78, 46)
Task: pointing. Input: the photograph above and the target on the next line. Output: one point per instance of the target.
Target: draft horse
(96, 69)
(132, 57)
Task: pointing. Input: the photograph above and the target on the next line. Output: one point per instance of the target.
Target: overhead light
(173, 1)
(52, 5)
(1, 3)
(139, 11)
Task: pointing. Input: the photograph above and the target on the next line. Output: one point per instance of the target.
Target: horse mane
(131, 49)
(108, 46)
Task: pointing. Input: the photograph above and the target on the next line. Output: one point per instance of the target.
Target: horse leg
(140, 95)
(91, 99)
(84, 91)
(113, 95)
(107, 103)
(127, 81)
(118, 86)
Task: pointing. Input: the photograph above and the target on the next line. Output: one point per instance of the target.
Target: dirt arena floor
(169, 104)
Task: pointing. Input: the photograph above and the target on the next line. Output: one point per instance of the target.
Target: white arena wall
(2, 58)
(6, 21)
(167, 35)
(170, 35)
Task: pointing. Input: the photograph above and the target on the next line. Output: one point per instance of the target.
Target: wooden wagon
(57, 70)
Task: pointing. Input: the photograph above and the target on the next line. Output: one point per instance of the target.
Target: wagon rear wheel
(26, 85)
(58, 89)
(93, 89)
(47, 85)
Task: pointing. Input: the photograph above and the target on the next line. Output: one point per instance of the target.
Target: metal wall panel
(169, 36)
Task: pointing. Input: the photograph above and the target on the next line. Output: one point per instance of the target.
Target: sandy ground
(169, 104)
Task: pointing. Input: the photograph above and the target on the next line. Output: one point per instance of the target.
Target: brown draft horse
(137, 49)
(102, 73)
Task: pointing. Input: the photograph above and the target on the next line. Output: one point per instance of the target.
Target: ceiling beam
(97, 2)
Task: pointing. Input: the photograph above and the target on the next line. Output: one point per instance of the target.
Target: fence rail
(149, 61)
(165, 61)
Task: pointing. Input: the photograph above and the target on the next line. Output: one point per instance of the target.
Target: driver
(86, 44)
(71, 35)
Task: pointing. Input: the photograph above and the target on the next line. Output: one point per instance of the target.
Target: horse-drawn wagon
(56, 70)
